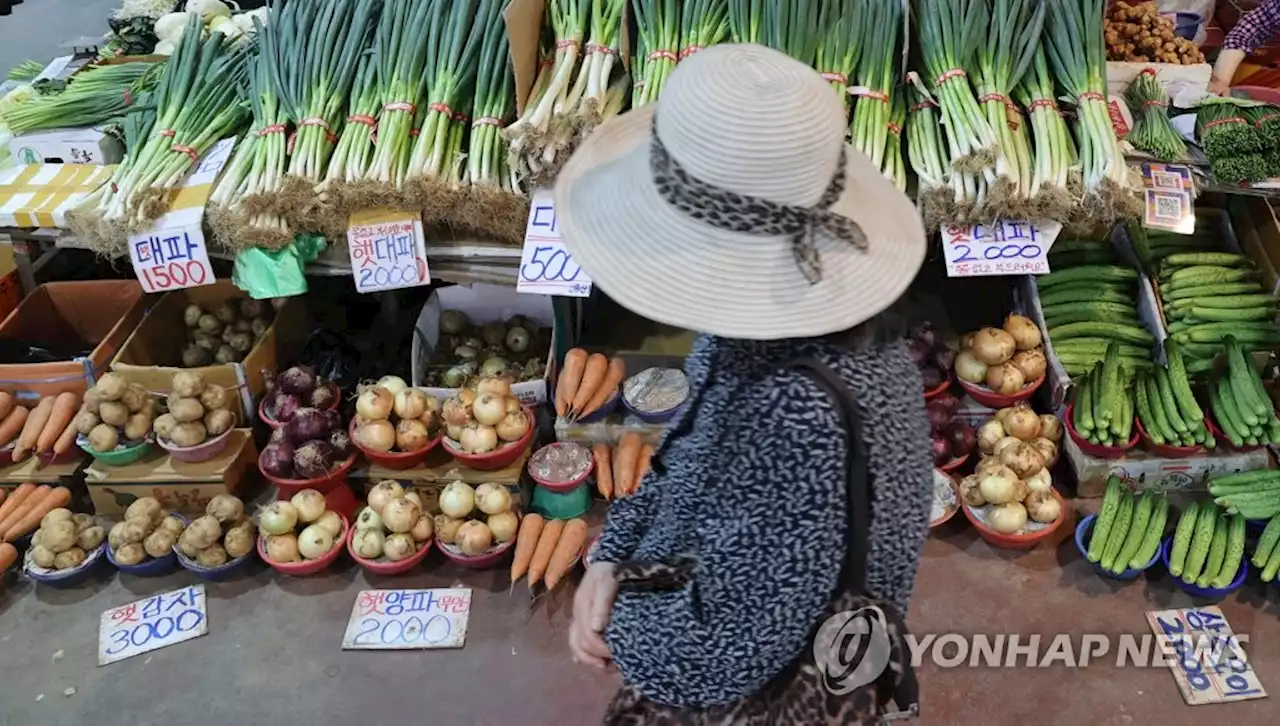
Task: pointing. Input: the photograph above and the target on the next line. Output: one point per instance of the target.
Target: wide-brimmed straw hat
(735, 207)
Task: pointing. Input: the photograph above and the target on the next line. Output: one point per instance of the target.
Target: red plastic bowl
(991, 399)
(1092, 449)
(1221, 436)
(1165, 450)
(398, 460)
(562, 487)
(199, 452)
(499, 458)
(942, 388)
(306, 567)
(954, 464)
(1017, 541)
(389, 568)
(48, 458)
(262, 410)
(488, 559)
(324, 484)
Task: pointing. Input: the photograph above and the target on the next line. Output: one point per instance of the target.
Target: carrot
(25, 506)
(53, 499)
(592, 378)
(547, 540)
(60, 414)
(31, 429)
(7, 402)
(604, 470)
(625, 458)
(526, 542)
(12, 424)
(575, 362)
(642, 466)
(567, 550)
(8, 556)
(612, 379)
(66, 438)
(20, 493)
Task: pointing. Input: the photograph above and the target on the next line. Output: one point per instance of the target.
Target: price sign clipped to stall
(408, 619)
(1008, 247)
(1208, 661)
(172, 254)
(1168, 190)
(157, 621)
(388, 250)
(546, 267)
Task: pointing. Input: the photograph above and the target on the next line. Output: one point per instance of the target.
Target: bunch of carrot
(45, 427)
(619, 470)
(8, 556)
(586, 383)
(21, 512)
(547, 549)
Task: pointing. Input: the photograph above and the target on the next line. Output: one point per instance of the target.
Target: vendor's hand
(592, 606)
(1218, 86)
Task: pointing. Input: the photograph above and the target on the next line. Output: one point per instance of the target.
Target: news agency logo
(852, 649)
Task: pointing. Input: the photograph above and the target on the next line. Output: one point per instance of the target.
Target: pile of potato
(226, 334)
(64, 539)
(224, 533)
(197, 411)
(116, 413)
(148, 531)
(1139, 33)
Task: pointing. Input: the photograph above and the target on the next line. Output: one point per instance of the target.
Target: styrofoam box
(482, 304)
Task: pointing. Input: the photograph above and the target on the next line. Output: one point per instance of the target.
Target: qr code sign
(1166, 180)
(1168, 210)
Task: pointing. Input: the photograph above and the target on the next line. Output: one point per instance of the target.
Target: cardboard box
(32, 470)
(1151, 471)
(482, 304)
(97, 315)
(66, 146)
(1184, 84)
(182, 487)
(441, 468)
(1258, 229)
(151, 354)
(41, 195)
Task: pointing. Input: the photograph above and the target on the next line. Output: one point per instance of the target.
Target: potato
(89, 538)
(238, 543)
(113, 413)
(42, 556)
(187, 546)
(115, 538)
(225, 508)
(188, 384)
(138, 426)
(226, 312)
(209, 324)
(219, 421)
(133, 531)
(82, 522)
(172, 525)
(135, 397)
(61, 514)
(37, 538)
(241, 342)
(189, 434)
(213, 556)
(159, 543)
(146, 509)
(130, 554)
(92, 400)
(206, 341)
(191, 315)
(243, 325)
(71, 558)
(59, 536)
(111, 387)
(203, 532)
(85, 421)
(186, 410)
(164, 425)
(226, 354)
(103, 438)
(214, 397)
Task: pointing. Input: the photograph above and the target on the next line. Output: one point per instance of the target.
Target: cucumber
(1241, 479)
(1167, 400)
(1200, 541)
(1151, 539)
(1217, 551)
(1085, 293)
(1122, 423)
(1227, 301)
(1157, 410)
(1080, 257)
(1234, 554)
(1187, 405)
(1223, 259)
(1082, 413)
(1273, 564)
(1103, 525)
(1088, 359)
(1242, 384)
(1114, 331)
(1087, 273)
(1119, 532)
(1101, 307)
(1182, 539)
(1174, 273)
(1099, 346)
(1148, 420)
(1249, 332)
(1231, 288)
(1202, 276)
(1266, 543)
(1224, 315)
(1101, 416)
(1224, 410)
(1107, 403)
(1066, 317)
(1137, 532)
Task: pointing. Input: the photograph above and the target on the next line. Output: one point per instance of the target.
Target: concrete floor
(37, 28)
(273, 648)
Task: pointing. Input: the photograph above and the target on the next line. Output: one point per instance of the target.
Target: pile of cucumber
(1085, 308)
(1208, 296)
(1074, 251)
(1128, 529)
(1208, 546)
(1266, 555)
(1252, 494)
(1241, 405)
(1151, 246)
(1167, 407)
(1103, 408)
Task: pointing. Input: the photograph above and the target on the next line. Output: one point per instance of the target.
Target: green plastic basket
(571, 504)
(119, 457)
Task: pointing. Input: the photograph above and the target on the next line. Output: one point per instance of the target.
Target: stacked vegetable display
(1088, 307)
(515, 348)
(24, 510)
(115, 414)
(1208, 546)
(406, 420)
(1251, 494)
(395, 525)
(1240, 140)
(147, 532)
(1005, 360)
(1166, 406)
(620, 469)
(47, 429)
(300, 529)
(1011, 490)
(310, 446)
(1209, 296)
(1240, 404)
(1152, 131)
(1129, 528)
(223, 534)
(934, 357)
(297, 388)
(547, 549)
(197, 412)
(474, 521)
(1138, 32)
(1102, 411)
(587, 381)
(92, 96)
(1153, 245)
(1266, 555)
(484, 419)
(226, 334)
(64, 540)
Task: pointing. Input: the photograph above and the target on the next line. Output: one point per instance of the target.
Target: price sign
(408, 619)
(388, 250)
(1004, 248)
(1210, 665)
(171, 259)
(546, 267)
(155, 622)
(1168, 189)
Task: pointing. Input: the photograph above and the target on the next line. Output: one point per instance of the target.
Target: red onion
(268, 378)
(278, 435)
(277, 459)
(948, 400)
(939, 416)
(961, 436)
(941, 451)
(932, 377)
(298, 380)
(313, 459)
(322, 397)
(283, 407)
(926, 335)
(944, 359)
(919, 351)
(332, 419)
(340, 442)
(307, 424)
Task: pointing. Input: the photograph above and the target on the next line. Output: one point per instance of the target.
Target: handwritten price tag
(1003, 248)
(408, 619)
(171, 259)
(155, 622)
(1210, 664)
(546, 267)
(387, 249)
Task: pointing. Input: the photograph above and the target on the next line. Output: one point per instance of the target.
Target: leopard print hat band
(734, 212)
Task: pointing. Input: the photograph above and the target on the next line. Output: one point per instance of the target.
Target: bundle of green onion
(1224, 131)
(494, 100)
(1243, 169)
(878, 71)
(841, 44)
(1054, 155)
(92, 96)
(658, 25)
(893, 167)
(1002, 61)
(25, 71)
(400, 51)
(924, 142)
(1152, 132)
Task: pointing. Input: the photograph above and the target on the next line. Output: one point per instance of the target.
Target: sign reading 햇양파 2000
(1007, 247)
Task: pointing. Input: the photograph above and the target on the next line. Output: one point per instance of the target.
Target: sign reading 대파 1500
(387, 250)
(1007, 247)
(170, 259)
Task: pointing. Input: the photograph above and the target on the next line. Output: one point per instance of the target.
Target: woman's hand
(592, 606)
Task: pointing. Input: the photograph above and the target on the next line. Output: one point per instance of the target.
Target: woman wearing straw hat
(761, 573)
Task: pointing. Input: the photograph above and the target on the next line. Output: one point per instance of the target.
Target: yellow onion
(1022, 424)
(474, 537)
(998, 485)
(412, 435)
(489, 409)
(1023, 459)
(1051, 427)
(1005, 379)
(1043, 507)
(375, 403)
(1008, 518)
(377, 435)
(1031, 362)
(969, 368)
(410, 403)
(496, 385)
(513, 426)
(1048, 450)
(992, 346)
(990, 434)
(971, 491)
(1025, 333)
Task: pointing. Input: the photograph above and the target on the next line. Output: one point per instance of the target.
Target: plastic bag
(277, 273)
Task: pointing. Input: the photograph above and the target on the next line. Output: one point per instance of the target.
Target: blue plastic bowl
(1207, 593)
(1255, 526)
(153, 566)
(653, 416)
(1186, 25)
(65, 578)
(214, 574)
(1082, 543)
(605, 409)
